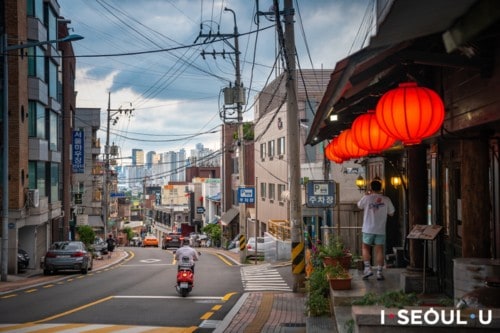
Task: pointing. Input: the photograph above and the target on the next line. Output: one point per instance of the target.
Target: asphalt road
(139, 291)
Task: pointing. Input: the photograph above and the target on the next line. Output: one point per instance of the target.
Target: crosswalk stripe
(262, 278)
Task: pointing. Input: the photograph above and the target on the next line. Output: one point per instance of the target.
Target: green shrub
(318, 301)
(86, 234)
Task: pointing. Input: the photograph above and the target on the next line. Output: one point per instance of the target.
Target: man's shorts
(373, 239)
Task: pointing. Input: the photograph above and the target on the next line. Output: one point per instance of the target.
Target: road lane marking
(216, 307)
(207, 315)
(227, 262)
(219, 298)
(62, 314)
(228, 296)
(26, 328)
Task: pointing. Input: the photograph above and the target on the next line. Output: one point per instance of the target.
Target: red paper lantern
(337, 151)
(410, 113)
(329, 153)
(368, 135)
(348, 147)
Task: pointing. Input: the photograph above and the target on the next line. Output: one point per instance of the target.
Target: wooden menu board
(424, 231)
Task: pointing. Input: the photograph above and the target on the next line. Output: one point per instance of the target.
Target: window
(52, 79)
(263, 190)
(37, 176)
(281, 146)
(270, 148)
(272, 191)
(262, 151)
(53, 131)
(36, 62)
(54, 182)
(35, 8)
(281, 189)
(36, 120)
(50, 21)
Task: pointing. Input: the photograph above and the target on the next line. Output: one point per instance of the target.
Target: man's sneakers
(367, 273)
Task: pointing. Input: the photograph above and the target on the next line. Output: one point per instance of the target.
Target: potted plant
(338, 277)
(335, 253)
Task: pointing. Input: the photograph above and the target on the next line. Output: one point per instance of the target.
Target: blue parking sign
(246, 195)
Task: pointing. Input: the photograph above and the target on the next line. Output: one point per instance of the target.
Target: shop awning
(216, 197)
(229, 216)
(95, 221)
(411, 35)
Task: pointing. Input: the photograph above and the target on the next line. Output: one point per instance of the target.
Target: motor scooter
(185, 277)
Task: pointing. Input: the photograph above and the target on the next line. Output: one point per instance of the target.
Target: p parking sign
(320, 194)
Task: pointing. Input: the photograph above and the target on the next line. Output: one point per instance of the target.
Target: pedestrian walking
(376, 207)
(111, 244)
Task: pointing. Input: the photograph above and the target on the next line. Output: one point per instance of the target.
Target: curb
(229, 317)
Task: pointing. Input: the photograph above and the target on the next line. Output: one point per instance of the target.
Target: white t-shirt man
(376, 207)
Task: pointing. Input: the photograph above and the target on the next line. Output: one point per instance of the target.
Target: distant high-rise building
(137, 157)
(152, 158)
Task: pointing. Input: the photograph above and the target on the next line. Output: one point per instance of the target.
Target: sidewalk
(272, 311)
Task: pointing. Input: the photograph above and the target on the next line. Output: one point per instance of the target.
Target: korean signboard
(246, 195)
(78, 152)
(320, 194)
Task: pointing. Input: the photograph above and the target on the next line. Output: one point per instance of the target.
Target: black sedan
(67, 255)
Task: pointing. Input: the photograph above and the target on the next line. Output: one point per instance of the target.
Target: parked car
(136, 241)
(67, 255)
(264, 245)
(100, 246)
(172, 239)
(150, 241)
(23, 260)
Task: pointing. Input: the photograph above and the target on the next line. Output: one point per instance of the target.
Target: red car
(172, 239)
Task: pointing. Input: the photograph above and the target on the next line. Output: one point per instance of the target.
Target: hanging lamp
(348, 147)
(410, 113)
(368, 135)
(330, 154)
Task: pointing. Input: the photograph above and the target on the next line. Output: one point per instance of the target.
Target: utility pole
(235, 95)
(107, 152)
(297, 238)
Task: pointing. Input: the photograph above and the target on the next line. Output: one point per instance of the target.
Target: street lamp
(4, 48)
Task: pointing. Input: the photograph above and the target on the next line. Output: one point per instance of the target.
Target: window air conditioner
(33, 197)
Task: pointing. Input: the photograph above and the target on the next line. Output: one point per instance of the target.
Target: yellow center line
(62, 314)
(30, 291)
(9, 296)
(228, 296)
(207, 315)
(227, 262)
(216, 307)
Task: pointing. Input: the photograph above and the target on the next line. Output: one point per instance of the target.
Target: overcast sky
(175, 93)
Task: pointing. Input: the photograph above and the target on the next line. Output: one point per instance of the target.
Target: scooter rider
(186, 251)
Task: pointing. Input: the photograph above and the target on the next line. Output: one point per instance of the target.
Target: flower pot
(340, 283)
(343, 261)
